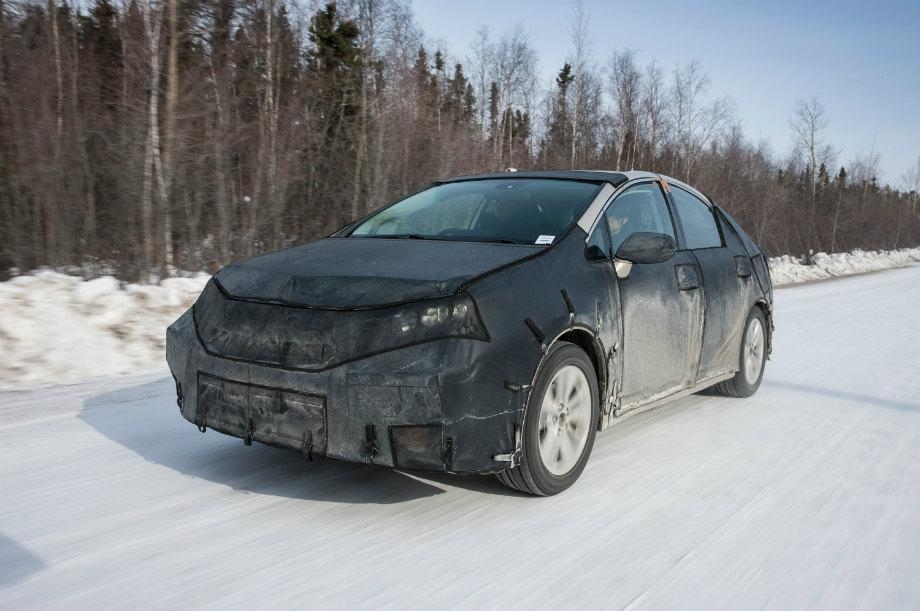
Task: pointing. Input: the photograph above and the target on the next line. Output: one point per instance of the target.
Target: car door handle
(688, 277)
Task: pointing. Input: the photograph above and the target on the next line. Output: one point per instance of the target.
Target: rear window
(512, 210)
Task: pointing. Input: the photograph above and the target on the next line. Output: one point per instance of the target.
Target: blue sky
(861, 59)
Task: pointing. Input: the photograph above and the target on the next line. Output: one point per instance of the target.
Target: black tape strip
(448, 453)
(308, 445)
(568, 302)
(371, 446)
(535, 330)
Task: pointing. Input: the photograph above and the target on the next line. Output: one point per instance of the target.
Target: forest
(147, 138)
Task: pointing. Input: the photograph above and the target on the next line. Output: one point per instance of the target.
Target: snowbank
(790, 270)
(56, 328)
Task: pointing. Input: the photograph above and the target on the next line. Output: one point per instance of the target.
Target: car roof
(615, 178)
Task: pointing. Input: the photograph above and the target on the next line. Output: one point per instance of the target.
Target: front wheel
(751, 360)
(559, 425)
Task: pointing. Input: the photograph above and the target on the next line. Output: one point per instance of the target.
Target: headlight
(461, 310)
(312, 339)
(435, 315)
(404, 321)
(440, 318)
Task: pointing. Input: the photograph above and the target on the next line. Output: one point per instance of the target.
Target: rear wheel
(559, 425)
(751, 360)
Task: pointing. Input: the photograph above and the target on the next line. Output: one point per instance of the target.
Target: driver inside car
(626, 218)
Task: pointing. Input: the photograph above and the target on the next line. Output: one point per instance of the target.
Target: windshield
(512, 210)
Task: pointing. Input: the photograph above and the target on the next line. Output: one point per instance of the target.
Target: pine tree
(102, 44)
(558, 140)
(493, 113)
(456, 104)
(422, 75)
(823, 178)
(469, 101)
(842, 177)
(335, 49)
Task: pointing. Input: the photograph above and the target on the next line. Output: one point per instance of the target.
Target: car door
(723, 297)
(660, 305)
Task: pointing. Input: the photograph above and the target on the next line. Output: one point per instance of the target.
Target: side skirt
(678, 395)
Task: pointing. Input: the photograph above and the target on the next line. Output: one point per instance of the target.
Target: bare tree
(808, 123)
(169, 140)
(625, 88)
(911, 180)
(653, 104)
(865, 169)
(513, 68)
(584, 86)
(481, 60)
(695, 121)
(153, 21)
(58, 71)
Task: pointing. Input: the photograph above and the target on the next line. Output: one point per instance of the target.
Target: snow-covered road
(806, 495)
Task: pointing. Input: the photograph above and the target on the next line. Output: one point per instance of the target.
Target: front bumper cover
(352, 411)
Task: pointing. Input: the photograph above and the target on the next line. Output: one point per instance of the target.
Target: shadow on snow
(16, 562)
(145, 420)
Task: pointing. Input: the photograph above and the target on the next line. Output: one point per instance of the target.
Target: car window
(596, 246)
(521, 210)
(696, 220)
(639, 208)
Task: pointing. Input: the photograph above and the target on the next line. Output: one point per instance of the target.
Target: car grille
(274, 416)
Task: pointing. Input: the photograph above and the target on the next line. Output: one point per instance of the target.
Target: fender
(514, 457)
(597, 358)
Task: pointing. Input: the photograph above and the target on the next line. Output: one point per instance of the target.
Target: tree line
(159, 135)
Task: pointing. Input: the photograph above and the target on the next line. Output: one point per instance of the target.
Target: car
(487, 324)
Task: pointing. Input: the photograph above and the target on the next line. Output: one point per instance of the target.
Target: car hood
(351, 273)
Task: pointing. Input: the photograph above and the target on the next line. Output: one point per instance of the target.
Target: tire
(752, 358)
(559, 429)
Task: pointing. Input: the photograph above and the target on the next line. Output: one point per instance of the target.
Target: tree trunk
(361, 148)
(834, 226)
(58, 72)
(152, 149)
(575, 103)
(166, 171)
(88, 232)
(217, 143)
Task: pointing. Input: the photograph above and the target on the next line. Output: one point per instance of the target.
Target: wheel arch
(587, 341)
(767, 312)
(585, 338)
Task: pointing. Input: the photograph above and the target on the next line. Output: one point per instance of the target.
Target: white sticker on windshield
(545, 239)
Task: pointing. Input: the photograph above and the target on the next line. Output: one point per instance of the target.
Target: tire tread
(515, 479)
(729, 388)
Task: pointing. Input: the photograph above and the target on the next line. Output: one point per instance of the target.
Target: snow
(56, 328)
(787, 270)
(803, 496)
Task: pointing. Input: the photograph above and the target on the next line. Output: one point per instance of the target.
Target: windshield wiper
(498, 240)
(446, 238)
(403, 236)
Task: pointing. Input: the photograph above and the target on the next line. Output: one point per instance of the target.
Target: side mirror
(643, 247)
